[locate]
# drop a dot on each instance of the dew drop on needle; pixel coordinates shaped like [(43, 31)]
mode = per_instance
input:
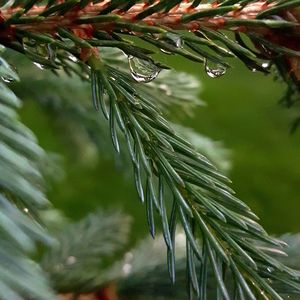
[(142, 70), (175, 39), (214, 70)]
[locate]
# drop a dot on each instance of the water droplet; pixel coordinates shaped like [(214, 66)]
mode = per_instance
[(72, 58), (71, 260), (175, 39), (40, 66), (142, 70), (43, 50), (51, 52), (266, 65), (214, 71)]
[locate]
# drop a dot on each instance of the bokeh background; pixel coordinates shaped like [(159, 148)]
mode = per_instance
[(242, 111)]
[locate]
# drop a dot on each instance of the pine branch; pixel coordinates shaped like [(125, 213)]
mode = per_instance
[(89, 25), (172, 14), (213, 150), (142, 274), (202, 203), (150, 280), (85, 249), (220, 229), (43, 33), (21, 199)]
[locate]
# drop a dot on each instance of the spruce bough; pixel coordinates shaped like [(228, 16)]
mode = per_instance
[(172, 179)]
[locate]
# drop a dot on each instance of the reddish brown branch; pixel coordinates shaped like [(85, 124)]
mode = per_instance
[(171, 19)]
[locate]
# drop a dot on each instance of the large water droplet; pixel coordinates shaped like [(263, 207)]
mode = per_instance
[(142, 70), (214, 70)]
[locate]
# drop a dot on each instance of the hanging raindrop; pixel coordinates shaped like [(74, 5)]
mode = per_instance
[(142, 70), (214, 71), (172, 39)]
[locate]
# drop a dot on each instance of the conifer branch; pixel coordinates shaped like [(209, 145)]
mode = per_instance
[(273, 26), (202, 202), (84, 249), (21, 199), (220, 229), (182, 16)]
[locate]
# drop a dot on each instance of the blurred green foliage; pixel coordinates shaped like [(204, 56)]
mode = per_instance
[(242, 110)]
